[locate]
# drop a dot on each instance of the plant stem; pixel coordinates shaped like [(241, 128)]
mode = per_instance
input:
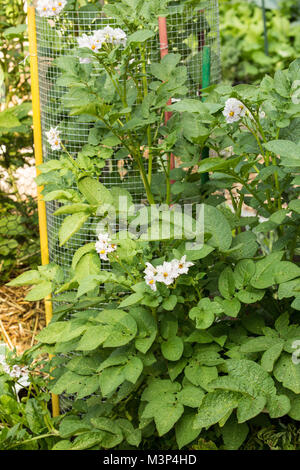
[(149, 135)]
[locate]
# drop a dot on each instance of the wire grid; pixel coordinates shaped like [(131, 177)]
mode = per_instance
[(188, 32)]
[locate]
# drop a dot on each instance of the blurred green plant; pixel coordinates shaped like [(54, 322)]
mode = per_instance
[(18, 223), (242, 38)]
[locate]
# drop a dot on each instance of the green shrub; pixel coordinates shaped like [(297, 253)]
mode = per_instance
[(179, 343)]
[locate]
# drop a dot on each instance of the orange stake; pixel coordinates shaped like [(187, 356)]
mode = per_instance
[(164, 50)]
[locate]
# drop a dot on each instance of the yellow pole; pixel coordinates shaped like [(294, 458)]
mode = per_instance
[(38, 151)]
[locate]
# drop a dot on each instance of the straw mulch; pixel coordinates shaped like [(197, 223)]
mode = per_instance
[(20, 321)]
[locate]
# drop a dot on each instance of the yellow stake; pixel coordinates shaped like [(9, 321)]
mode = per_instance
[(38, 151)]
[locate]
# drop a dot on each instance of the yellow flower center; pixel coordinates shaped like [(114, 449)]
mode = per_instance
[(231, 113), (180, 266), (166, 274), (102, 252), (93, 47), (151, 282), (54, 8)]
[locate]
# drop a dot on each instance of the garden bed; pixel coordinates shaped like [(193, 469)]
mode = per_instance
[(20, 321)]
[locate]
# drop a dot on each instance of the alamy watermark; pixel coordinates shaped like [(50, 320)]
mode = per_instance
[(154, 222), (296, 353), (295, 96)]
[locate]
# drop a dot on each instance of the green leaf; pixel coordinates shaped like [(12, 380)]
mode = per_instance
[(243, 272), (204, 318), (264, 271), (295, 205), (133, 436), (133, 369), (34, 415), (170, 302), (71, 225), (244, 245), (72, 425), (271, 355), (88, 265), (140, 36), (39, 292), (73, 209), (234, 434), (147, 329), (185, 433), (165, 415), (87, 440), (261, 343), (112, 434), (250, 407), (193, 255), (226, 283), (94, 191), (8, 120), (250, 295), (281, 83), (93, 337), (131, 300), (288, 373), (172, 349), (110, 379), (284, 148), (216, 224), (27, 278), (214, 407), (278, 406), (62, 331), (191, 396), (200, 375)]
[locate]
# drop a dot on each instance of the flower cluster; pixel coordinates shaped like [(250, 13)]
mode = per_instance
[(16, 372), (166, 272), (100, 37), (104, 246), (53, 138), (234, 110), (49, 8)]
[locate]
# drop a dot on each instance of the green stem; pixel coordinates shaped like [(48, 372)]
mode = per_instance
[(43, 436), (149, 135)]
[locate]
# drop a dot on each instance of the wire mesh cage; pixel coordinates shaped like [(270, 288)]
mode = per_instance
[(189, 29)]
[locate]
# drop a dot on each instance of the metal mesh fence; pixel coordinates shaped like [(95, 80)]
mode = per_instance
[(188, 32)]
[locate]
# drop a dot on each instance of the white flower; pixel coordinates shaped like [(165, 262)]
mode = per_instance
[(234, 110), (181, 266), (54, 138), (90, 42), (150, 270), (118, 37), (151, 281), (16, 372), (107, 33), (48, 8), (104, 246), (166, 273), (262, 114)]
